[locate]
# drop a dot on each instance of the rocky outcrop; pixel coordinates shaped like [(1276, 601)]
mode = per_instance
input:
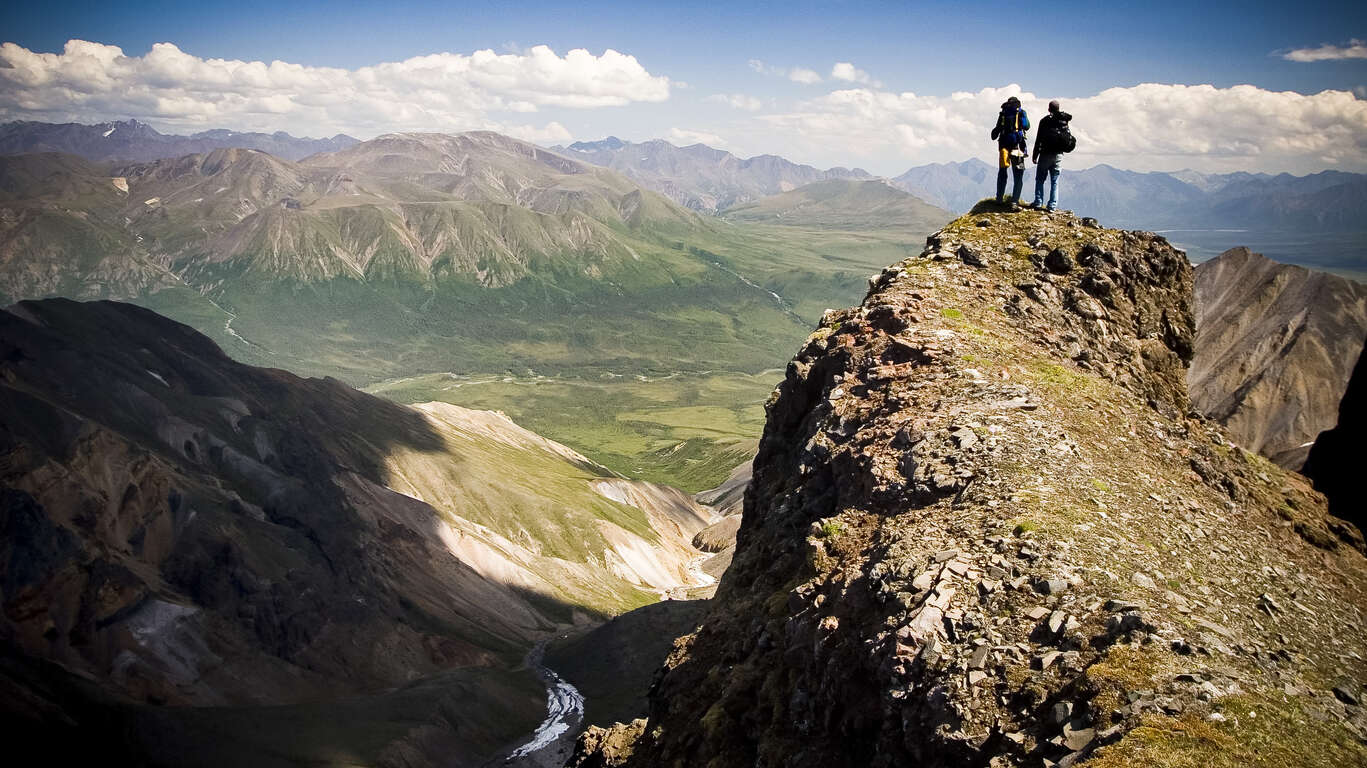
[(986, 529), (1335, 460), (1275, 346)]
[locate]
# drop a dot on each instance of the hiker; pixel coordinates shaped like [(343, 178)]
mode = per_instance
[(1051, 142), (1009, 133)]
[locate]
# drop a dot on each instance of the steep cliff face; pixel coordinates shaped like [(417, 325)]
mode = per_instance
[(1275, 346), (1335, 461), (985, 529)]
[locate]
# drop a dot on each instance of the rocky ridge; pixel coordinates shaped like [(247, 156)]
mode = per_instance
[(986, 528)]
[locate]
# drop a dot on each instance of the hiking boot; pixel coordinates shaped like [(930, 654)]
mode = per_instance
[(1034, 206)]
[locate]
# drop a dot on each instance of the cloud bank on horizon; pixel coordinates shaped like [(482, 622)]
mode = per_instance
[(444, 91), (1145, 127), (859, 122)]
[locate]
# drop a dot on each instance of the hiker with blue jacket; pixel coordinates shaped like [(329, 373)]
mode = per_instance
[(1009, 134), (1051, 142)]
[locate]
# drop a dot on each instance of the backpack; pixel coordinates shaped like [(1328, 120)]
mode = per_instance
[(1055, 138), (1009, 129)]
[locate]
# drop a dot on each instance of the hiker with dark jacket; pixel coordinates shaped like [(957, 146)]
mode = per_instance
[(1051, 141), (1009, 133)]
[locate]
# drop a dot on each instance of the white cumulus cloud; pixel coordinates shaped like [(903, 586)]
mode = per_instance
[(444, 91), (1145, 127), (1354, 49), (844, 70), (804, 76)]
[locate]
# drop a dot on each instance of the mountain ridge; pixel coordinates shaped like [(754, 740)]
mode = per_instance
[(700, 177), (127, 141), (476, 252), (984, 529)]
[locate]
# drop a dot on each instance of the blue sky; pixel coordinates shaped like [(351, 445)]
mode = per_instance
[(707, 52)]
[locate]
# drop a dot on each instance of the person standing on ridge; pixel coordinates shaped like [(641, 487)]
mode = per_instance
[(1009, 134), (1051, 142)]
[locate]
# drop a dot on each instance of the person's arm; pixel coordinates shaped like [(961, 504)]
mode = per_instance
[(1034, 155)]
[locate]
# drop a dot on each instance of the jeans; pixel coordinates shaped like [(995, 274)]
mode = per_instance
[(1018, 173), (1048, 165)]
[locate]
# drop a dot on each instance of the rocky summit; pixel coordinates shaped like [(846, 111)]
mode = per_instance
[(986, 528)]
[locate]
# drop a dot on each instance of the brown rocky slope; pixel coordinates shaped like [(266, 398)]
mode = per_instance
[(1275, 345), (985, 528)]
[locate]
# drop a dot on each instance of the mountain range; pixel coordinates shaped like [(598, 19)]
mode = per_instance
[(131, 141), (426, 260), (1331, 200), (711, 180), (455, 230), (701, 177)]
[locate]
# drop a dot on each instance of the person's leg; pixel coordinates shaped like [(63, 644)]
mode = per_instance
[(1019, 174), (1050, 165), (1040, 173)]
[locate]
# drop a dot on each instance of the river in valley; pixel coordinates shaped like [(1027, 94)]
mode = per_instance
[(550, 745)]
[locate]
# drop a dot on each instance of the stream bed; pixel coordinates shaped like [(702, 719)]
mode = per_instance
[(550, 745)]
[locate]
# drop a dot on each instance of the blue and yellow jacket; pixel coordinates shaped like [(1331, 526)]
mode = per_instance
[(1011, 127), (1009, 132)]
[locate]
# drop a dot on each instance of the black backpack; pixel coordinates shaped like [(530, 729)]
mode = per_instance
[(1055, 138)]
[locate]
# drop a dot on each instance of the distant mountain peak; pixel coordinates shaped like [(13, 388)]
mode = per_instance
[(133, 141), (703, 177), (610, 143)]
